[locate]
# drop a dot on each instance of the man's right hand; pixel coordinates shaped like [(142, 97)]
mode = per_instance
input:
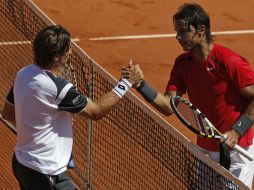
[(133, 74)]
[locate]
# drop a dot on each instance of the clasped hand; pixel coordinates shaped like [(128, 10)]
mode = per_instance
[(132, 73)]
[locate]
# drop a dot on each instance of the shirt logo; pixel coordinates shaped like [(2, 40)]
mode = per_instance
[(74, 101), (121, 87), (240, 123), (210, 68)]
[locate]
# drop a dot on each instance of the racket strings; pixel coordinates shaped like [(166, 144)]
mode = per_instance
[(187, 114), (204, 126), (193, 117)]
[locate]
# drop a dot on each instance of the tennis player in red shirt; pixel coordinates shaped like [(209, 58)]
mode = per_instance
[(217, 80)]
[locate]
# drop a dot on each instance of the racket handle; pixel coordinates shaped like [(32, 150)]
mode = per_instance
[(244, 152)]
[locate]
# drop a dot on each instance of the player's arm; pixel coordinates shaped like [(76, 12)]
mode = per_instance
[(8, 112), (248, 117), (75, 102), (244, 123), (156, 99), (95, 110), (248, 92), (161, 103), (99, 108)]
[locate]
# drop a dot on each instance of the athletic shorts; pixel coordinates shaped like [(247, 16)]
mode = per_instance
[(240, 166), (30, 179)]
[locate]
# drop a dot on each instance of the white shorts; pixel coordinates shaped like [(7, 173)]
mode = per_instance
[(240, 166)]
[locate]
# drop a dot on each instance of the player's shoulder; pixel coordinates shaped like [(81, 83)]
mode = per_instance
[(226, 55), (224, 52), (59, 82), (184, 57), (25, 70)]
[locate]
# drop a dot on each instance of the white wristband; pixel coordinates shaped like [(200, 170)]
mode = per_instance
[(122, 87)]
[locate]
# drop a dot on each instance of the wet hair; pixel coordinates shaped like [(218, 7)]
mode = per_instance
[(195, 15), (50, 42)]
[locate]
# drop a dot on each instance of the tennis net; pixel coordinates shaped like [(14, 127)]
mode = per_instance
[(132, 147)]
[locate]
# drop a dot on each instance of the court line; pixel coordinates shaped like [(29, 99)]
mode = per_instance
[(234, 32), (15, 43), (25, 42)]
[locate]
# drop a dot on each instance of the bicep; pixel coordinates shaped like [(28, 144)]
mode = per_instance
[(73, 102)]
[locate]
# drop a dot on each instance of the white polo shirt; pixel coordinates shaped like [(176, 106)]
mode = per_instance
[(43, 106)]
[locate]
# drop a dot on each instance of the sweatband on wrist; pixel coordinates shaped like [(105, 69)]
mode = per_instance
[(146, 91), (122, 87), (242, 125)]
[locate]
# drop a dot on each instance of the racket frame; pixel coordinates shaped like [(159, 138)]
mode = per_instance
[(196, 112), (215, 135)]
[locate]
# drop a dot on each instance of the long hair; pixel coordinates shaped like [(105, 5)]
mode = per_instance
[(195, 15), (49, 42)]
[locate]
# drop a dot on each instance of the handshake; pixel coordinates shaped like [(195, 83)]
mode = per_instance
[(133, 74)]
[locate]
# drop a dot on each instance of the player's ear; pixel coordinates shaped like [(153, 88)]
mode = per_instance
[(201, 30), (56, 58)]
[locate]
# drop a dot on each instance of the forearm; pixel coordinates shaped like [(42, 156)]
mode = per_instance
[(96, 110), (105, 104), (244, 123), (157, 100), (161, 103)]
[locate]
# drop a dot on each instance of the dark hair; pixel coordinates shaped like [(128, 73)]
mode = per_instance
[(195, 15), (51, 41)]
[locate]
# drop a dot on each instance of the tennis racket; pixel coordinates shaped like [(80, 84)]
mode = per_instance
[(197, 122)]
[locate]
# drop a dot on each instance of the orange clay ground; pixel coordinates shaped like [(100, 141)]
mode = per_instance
[(99, 18)]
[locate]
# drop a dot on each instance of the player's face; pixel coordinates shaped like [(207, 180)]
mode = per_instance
[(186, 36)]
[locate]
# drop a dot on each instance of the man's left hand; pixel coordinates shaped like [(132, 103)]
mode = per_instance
[(232, 138)]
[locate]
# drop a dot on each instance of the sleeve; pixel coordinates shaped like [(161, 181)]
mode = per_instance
[(240, 72), (10, 96), (73, 102), (175, 82)]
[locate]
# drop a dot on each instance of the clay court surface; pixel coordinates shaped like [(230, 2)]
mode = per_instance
[(90, 20), (87, 20)]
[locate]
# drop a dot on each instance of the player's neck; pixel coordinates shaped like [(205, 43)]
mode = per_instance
[(53, 70), (202, 51)]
